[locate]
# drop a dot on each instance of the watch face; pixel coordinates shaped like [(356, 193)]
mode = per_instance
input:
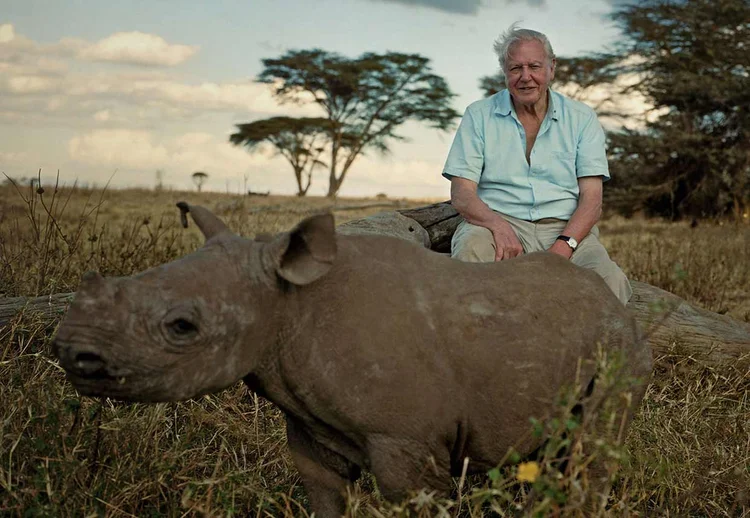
[(573, 242)]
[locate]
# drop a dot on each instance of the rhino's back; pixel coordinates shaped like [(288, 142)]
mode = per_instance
[(410, 342)]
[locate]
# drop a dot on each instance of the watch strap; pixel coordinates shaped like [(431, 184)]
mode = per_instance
[(568, 239)]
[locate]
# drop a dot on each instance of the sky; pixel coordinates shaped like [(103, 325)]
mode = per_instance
[(114, 91)]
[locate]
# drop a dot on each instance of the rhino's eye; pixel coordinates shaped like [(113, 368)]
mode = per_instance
[(181, 328)]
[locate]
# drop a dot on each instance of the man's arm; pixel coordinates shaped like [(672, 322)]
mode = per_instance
[(465, 200), (586, 215)]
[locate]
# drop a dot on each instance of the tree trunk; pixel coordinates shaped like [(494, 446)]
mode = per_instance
[(672, 325), (333, 186)]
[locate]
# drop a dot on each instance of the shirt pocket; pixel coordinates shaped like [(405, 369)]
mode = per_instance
[(561, 169), (564, 156)]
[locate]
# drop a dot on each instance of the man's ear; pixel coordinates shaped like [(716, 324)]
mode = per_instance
[(307, 252)]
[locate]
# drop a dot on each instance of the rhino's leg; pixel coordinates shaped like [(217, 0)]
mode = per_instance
[(324, 473), (400, 465), (610, 426)]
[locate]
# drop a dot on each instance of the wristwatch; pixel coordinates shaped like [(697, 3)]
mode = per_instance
[(572, 243)]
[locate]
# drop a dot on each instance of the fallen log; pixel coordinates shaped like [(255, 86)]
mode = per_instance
[(439, 220), (673, 326), (48, 308)]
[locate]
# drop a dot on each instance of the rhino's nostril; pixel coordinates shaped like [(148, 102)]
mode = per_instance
[(86, 363)]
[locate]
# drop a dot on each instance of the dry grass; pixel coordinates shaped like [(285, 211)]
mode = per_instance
[(688, 452)]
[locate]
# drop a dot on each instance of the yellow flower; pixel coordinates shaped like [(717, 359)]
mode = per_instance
[(527, 472)]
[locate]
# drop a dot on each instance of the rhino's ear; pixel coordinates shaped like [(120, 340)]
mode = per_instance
[(207, 222), (306, 253)]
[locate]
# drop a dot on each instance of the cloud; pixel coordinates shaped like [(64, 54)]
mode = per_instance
[(41, 83), (532, 3), (102, 116), (416, 177), (30, 84), (138, 48), (245, 95), (31, 65), (460, 6), (137, 154), (20, 56), (143, 150), (16, 48), (134, 48), (7, 33), (451, 6), (163, 98), (129, 149), (12, 156)]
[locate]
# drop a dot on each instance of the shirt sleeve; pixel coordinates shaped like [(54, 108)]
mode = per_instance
[(591, 156), (466, 156)]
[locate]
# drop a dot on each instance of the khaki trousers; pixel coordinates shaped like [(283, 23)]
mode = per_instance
[(473, 243)]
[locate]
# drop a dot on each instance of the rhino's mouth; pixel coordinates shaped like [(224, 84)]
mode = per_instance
[(122, 386), (102, 379), (104, 384)]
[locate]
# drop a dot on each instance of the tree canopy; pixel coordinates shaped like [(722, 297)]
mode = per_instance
[(693, 61), (364, 99), (199, 177), (300, 141)]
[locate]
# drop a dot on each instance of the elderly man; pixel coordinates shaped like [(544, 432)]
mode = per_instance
[(527, 166)]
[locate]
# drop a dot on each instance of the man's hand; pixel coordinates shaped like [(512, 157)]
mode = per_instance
[(562, 248), (507, 245)]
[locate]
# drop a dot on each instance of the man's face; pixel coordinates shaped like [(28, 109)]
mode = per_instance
[(529, 72)]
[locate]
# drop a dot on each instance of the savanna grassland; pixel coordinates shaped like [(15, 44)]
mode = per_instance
[(687, 453)]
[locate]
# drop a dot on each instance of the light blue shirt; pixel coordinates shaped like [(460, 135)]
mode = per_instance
[(490, 149)]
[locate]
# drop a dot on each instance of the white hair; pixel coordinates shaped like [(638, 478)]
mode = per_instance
[(515, 35)]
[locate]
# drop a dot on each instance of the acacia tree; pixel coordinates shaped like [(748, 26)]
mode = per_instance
[(364, 99), (199, 177), (300, 140), (693, 58)]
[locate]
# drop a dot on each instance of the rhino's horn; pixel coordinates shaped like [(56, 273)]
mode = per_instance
[(209, 224), (93, 285)]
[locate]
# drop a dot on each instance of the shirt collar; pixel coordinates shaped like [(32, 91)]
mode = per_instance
[(504, 107)]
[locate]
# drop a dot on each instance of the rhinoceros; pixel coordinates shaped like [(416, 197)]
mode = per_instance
[(382, 354)]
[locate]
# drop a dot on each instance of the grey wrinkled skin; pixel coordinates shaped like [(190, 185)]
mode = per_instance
[(382, 354)]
